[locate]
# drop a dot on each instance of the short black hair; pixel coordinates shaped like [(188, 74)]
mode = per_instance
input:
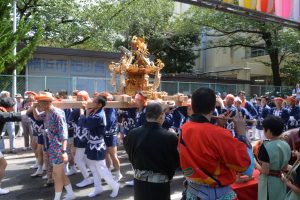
[(274, 124), (63, 93), (203, 101), (241, 92), (265, 97), (153, 110), (100, 99), (7, 102)]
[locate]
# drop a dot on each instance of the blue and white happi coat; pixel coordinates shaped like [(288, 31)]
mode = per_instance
[(95, 123)]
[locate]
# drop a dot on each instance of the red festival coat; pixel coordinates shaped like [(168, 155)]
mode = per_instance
[(210, 155)]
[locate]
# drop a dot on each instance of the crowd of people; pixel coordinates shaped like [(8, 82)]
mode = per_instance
[(209, 140)]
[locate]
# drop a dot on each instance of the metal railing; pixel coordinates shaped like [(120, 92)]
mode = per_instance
[(54, 84)]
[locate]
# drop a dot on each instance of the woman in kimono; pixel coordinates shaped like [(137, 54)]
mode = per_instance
[(95, 150), (273, 158), (57, 135)]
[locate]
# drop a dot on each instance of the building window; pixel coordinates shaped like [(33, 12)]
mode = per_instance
[(255, 52)]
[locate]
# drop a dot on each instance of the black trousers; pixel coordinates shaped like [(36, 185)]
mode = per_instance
[(151, 191)]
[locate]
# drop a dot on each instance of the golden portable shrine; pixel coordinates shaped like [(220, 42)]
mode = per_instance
[(134, 69)]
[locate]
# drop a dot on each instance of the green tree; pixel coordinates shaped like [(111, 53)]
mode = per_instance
[(233, 31), (64, 22), (176, 52), (105, 25), (167, 40), (291, 71), (27, 35)]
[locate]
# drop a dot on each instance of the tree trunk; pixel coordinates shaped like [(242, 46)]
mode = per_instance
[(275, 67), (274, 56)]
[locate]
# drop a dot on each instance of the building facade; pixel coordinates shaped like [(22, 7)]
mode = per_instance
[(58, 68), (242, 63)]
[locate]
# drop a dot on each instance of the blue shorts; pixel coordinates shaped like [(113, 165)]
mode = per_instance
[(40, 139), (111, 140)]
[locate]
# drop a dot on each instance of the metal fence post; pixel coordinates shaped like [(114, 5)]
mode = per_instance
[(45, 82), (160, 85), (260, 93), (74, 83), (177, 86), (280, 90)]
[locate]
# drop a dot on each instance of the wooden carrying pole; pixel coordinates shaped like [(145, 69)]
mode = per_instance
[(121, 101), (229, 118), (78, 104)]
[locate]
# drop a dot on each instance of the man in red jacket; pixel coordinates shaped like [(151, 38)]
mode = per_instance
[(210, 156)]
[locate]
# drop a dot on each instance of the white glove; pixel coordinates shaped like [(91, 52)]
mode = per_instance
[(292, 118)]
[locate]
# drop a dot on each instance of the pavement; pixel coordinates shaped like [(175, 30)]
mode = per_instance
[(23, 187)]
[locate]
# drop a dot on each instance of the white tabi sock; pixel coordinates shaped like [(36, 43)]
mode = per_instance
[(72, 167), (69, 189), (57, 195), (118, 173), (40, 168)]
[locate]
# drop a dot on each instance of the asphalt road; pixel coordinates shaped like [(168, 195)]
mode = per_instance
[(22, 187)]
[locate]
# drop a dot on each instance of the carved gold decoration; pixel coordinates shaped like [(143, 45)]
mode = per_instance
[(134, 69)]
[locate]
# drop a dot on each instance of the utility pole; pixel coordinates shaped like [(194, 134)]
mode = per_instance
[(14, 89)]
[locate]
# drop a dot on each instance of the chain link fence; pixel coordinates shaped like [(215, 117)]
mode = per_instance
[(54, 84)]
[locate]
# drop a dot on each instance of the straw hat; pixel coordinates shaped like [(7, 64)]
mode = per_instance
[(44, 96), (30, 92), (278, 99), (292, 99)]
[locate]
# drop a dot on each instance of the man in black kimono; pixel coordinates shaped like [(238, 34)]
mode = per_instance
[(153, 153)]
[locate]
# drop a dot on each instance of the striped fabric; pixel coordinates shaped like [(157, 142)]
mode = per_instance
[(228, 1), (250, 4), (283, 8), (296, 10), (266, 6)]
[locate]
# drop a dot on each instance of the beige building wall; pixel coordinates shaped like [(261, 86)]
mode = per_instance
[(229, 62), (234, 61)]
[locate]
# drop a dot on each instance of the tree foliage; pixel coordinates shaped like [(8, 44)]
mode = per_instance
[(233, 31), (106, 24), (28, 35), (176, 52), (291, 71)]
